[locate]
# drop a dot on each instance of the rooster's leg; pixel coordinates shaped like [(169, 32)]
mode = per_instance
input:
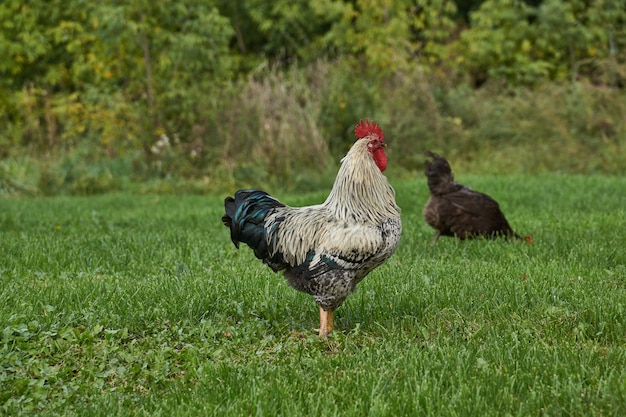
[(326, 322)]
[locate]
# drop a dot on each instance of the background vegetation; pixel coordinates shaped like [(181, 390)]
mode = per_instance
[(98, 96)]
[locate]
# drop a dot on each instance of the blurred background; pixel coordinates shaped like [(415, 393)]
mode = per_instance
[(206, 96)]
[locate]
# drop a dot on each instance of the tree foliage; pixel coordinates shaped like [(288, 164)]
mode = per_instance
[(123, 71), (511, 40)]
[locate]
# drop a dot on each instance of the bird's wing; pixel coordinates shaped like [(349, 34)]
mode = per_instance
[(473, 202), (356, 249), (471, 213), (312, 235)]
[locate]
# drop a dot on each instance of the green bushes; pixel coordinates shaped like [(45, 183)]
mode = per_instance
[(289, 129), (97, 97)]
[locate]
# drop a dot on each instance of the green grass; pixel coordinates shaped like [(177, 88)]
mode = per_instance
[(122, 305)]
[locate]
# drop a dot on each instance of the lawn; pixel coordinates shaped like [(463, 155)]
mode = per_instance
[(121, 305)]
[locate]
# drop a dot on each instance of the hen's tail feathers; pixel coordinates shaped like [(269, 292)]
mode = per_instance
[(245, 217)]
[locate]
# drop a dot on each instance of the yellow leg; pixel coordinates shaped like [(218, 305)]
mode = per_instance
[(326, 322)]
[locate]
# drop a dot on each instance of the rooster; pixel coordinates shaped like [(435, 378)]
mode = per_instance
[(325, 249), (457, 210)]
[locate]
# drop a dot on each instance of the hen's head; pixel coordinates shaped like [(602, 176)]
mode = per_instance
[(438, 173), (438, 167), (372, 132)]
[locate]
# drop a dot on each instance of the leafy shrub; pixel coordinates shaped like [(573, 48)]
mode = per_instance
[(18, 176), (287, 129)]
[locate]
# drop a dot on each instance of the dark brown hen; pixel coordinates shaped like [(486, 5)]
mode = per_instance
[(456, 210)]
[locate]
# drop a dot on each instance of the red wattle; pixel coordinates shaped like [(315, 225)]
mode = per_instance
[(380, 158)]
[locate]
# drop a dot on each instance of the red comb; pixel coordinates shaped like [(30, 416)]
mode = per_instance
[(366, 129)]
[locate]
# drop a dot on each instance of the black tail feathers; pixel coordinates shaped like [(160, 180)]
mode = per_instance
[(245, 217)]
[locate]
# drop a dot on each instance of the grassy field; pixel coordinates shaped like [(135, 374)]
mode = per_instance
[(121, 305)]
